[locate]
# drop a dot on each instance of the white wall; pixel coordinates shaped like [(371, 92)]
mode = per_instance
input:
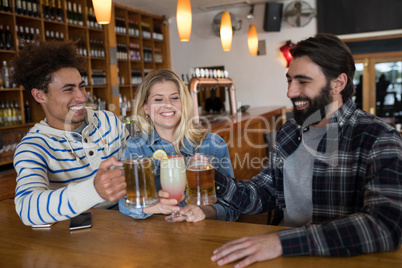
[(259, 80)]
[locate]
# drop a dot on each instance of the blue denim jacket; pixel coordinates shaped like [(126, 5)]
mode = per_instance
[(212, 145)]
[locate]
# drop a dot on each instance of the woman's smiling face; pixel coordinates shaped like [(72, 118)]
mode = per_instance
[(164, 106)]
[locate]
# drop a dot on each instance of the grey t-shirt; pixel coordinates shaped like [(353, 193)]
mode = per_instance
[(298, 175)]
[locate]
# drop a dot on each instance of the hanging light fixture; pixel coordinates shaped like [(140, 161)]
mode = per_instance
[(226, 31), (103, 10), (252, 39), (286, 53), (184, 19)]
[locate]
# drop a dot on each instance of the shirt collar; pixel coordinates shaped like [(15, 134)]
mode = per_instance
[(343, 114), (154, 139)]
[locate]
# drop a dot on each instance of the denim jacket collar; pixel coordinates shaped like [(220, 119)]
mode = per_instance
[(154, 141)]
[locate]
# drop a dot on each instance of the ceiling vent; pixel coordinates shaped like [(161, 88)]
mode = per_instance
[(226, 5)]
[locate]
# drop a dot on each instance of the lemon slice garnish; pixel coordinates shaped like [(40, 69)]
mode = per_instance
[(159, 154)]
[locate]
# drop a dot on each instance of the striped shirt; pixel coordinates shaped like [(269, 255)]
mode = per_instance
[(356, 187), (56, 168)]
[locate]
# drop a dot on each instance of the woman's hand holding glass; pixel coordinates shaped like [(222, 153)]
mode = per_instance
[(166, 205)]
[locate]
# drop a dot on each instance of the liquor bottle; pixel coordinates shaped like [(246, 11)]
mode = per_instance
[(37, 35), (2, 113), (27, 111), (23, 7), (12, 114), (8, 38), (26, 35), (60, 15), (46, 10), (18, 116), (80, 17), (35, 9), (2, 39), (29, 11), (18, 7), (6, 5), (20, 37), (69, 13), (84, 46), (1, 80), (75, 14), (1, 116), (53, 10), (6, 75), (7, 114)]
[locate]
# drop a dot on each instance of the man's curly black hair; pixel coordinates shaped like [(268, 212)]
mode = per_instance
[(35, 64)]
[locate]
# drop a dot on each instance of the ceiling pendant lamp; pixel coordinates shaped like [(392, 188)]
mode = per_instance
[(252, 40), (103, 10), (226, 31), (184, 19)]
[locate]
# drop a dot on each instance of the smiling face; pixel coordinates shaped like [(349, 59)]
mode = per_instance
[(164, 106), (64, 103), (309, 91)]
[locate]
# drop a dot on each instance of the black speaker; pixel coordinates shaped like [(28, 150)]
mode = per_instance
[(273, 17)]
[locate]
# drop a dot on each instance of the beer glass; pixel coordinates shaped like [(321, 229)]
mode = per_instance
[(173, 181), (139, 174), (200, 180)]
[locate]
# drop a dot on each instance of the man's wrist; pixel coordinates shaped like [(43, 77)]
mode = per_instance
[(209, 211)]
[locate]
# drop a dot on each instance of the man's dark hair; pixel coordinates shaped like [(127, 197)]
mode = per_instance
[(332, 55), (35, 64)]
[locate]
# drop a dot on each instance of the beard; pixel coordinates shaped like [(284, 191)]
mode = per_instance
[(317, 108)]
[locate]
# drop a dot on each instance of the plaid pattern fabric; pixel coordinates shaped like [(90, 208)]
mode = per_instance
[(357, 187)]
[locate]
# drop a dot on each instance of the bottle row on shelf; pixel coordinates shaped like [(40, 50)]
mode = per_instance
[(52, 10), (5, 5), (10, 113), (74, 14), (136, 77), (135, 53), (27, 8), (97, 48), (6, 39), (147, 51), (158, 55), (98, 77), (134, 29)]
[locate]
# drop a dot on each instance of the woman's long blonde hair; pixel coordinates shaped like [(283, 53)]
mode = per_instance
[(186, 128)]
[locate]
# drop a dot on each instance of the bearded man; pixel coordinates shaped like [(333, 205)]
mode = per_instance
[(335, 175)]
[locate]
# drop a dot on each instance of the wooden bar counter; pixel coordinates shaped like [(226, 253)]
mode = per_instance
[(116, 240), (244, 135)]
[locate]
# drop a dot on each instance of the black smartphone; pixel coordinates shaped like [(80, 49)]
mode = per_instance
[(81, 221)]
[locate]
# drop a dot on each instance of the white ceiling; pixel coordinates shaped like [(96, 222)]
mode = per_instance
[(168, 7)]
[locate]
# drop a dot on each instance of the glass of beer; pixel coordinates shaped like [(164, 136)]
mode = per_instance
[(139, 173), (200, 180)]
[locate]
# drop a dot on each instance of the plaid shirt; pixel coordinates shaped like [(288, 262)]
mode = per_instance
[(357, 187)]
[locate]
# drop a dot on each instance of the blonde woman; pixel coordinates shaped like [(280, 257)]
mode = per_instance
[(164, 113)]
